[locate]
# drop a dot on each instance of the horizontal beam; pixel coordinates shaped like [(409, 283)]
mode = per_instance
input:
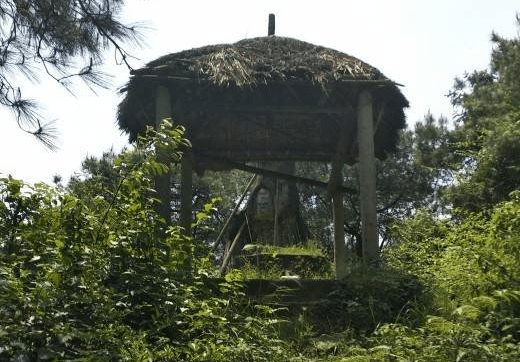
[(183, 77), (275, 174), (267, 109)]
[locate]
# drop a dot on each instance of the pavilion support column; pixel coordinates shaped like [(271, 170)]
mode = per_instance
[(163, 182), (336, 191), (367, 177), (340, 251), (186, 192)]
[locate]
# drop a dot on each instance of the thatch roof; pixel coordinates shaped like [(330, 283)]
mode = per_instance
[(262, 60), (263, 77)]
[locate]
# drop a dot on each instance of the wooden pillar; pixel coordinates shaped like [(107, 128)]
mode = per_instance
[(270, 30), (335, 190), (276, 204), (367, 177), (186, 192), (340, 251), (162, 182)]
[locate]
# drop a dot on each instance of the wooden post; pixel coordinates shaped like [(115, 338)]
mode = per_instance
[(340, 251), (367, 177), (231, 248), (276, 201), (237, 206), (162, 182), (270, 30), (186, 192), (335, 190)]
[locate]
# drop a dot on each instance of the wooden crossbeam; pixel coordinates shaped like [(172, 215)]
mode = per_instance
[(275, 174)]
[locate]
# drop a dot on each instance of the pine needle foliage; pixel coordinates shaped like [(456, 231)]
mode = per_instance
[(64, 39)]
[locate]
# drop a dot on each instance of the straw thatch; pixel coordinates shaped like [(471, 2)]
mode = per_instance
[(262, 60), (225, 93)]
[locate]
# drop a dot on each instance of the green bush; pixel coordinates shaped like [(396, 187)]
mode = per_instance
[(460, 261), (101, 278)]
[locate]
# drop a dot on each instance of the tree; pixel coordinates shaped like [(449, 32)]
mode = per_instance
[(488, 129), (406, 181), (56, 35), (214, 193)]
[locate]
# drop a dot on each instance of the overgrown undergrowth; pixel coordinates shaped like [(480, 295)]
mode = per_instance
[(100, 277)]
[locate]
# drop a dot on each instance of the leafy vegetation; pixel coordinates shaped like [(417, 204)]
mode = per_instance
[(102, 278), (284, 250), (91, 272), (276, 262)]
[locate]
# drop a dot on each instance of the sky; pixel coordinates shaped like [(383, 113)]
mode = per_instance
[(423, 45)]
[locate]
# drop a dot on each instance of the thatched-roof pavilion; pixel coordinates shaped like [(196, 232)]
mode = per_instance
[(272, 99)]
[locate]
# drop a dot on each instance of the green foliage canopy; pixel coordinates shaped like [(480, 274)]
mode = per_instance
[(98, 278), (485, 141)]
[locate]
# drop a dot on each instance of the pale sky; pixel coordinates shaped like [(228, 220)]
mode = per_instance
[(423, 45)]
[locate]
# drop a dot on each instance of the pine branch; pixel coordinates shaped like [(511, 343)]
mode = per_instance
[(54, 35)]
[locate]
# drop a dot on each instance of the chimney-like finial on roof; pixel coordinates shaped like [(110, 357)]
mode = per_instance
[(270, 31)]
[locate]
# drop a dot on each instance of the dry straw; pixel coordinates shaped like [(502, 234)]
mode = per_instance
[(261, 60), (195, 76)]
